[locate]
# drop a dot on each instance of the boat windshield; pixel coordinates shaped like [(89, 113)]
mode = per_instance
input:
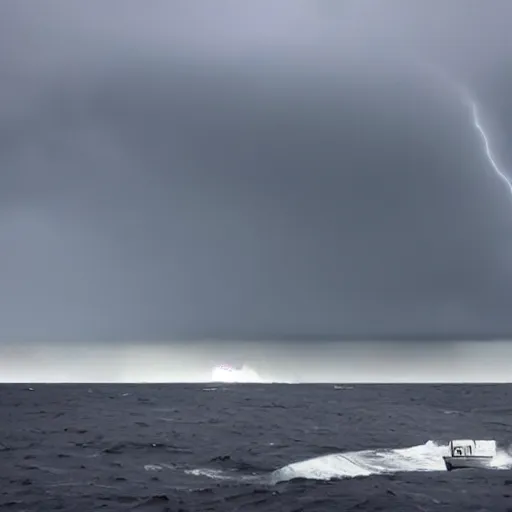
[(462, 451)]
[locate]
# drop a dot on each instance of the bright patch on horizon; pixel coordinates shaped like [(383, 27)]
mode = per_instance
[(225, 373)]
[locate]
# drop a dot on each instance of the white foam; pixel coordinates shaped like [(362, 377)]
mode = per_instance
[(502, 460), (152, 467), (215, 474), (425, 457)]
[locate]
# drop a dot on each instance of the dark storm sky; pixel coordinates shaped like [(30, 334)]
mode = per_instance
[(253, 169)]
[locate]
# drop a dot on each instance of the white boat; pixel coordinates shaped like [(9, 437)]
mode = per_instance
[(469, 453)]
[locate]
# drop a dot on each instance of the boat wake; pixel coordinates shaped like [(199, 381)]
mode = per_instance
[(425, 457), (421, 458)]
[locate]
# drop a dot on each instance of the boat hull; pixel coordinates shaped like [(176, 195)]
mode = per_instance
[(467, 462)]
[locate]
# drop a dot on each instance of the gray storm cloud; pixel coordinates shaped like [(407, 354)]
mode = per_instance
[(256, 169)]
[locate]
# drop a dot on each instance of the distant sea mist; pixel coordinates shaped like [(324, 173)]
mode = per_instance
[(267, 361)]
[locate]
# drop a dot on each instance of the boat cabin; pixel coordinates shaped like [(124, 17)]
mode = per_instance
[(472, 448)]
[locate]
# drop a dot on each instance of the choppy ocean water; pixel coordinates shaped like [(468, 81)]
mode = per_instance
[(243, 447)]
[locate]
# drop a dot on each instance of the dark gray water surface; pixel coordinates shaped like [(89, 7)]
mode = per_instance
[(228, 447)]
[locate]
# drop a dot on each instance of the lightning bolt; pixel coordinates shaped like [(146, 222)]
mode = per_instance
[(468, 100), (480, 129)]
